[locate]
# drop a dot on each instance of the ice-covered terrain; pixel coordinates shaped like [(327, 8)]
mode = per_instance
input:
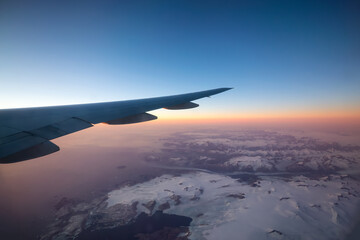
[(223, 208), (255, 162), (247, 184), (256, 150)]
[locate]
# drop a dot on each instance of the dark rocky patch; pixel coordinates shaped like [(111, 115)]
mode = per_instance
[(250, 179), (176, 199), (276, 232), (167, 233), (237, 195), (284, 198), (150, 205), (143, 226), (194, 198), (164, 206), (64, 202)]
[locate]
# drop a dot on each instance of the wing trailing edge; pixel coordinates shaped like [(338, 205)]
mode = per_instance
[(38, 150)]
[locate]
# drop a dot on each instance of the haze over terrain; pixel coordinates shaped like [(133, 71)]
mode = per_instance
[(275, 181)]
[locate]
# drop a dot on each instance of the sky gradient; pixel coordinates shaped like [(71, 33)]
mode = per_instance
[(285, 59)]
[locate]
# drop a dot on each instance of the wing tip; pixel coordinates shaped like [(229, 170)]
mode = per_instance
[(218, 90), (227, 88)]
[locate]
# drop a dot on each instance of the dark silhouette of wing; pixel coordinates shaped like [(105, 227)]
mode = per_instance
[(25, 133)]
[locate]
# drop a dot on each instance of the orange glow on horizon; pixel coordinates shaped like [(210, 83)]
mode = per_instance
[(352, 121), (346, 114), (311, 117)]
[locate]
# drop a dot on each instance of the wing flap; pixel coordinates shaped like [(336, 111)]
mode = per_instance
[(6, 131), (13, 137), (27, 139), (38, 150), (18, 142), (72, 125), (49, 132), (62, 128)]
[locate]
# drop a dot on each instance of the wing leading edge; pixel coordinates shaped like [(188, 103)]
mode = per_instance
[(25, 133)]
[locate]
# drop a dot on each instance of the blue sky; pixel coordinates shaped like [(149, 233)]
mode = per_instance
[(280, 56)]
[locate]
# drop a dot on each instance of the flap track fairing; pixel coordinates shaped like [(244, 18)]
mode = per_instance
[(142, 117), (187, 105)]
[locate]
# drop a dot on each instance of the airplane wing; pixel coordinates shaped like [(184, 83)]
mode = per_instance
[(25, 133)]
